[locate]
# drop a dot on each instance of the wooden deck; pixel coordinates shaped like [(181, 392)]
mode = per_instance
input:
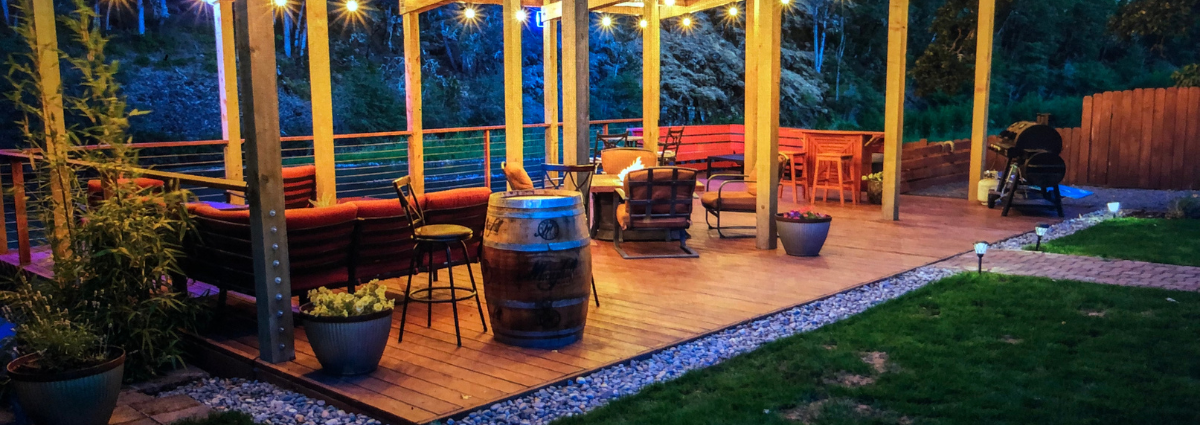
[(646, 305)]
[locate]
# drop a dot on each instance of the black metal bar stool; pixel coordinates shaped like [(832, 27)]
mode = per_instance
[(577, 178), (428, 237)]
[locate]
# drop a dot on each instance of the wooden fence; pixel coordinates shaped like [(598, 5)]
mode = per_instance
[(1143, 138)]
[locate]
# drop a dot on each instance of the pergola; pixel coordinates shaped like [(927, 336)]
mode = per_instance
[(251, 35)]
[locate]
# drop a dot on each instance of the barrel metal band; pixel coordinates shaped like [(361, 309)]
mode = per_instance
[(553, 246), (533, 214), (534, 305)]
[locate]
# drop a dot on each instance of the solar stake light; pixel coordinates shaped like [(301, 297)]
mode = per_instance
[(981, 248), (1040, 230), (1114, 208)]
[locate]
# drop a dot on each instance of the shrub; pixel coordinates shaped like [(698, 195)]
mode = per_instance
[(1185, 207), (369, 299), (45, 328)]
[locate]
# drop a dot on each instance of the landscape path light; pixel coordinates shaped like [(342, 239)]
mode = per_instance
[(981, 248), (1040, 230), (1114, 208)]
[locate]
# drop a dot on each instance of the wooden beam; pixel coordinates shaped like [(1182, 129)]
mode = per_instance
[(576, 134), (552, 11), (44, 32), (669, 12), (767, 20), (514, 96), (750, 148), (983, 84), (317, 14), (412, 94), (651, 75), (550, 91), (231, 115), (414, 7), (268, 229), (893, 114)]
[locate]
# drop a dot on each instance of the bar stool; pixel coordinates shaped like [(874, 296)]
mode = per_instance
[(831, 162), (428, 237), (797, 166)]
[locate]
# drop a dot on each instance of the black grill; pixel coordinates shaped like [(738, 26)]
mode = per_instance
[(1032, 150)]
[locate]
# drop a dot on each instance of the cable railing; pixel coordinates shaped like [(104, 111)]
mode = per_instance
[(366, 164)]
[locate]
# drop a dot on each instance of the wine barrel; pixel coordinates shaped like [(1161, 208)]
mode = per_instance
[(537, 267)]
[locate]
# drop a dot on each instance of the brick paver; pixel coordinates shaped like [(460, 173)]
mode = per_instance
[(135, 408), (1087, 269)]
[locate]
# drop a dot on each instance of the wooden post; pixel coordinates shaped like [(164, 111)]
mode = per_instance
[(268, 229), (983, 84), (550, 80), (231, 125), (514, 97), (576, 134), (56, 132), (767, 21), (893, 115), (317, 12), (24, 252), (749, 137), (412, 94), (651, 74)]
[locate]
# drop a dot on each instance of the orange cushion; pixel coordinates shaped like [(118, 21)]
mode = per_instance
[(730, 201), (456, 198), (377, 208), (627, 222), (302, 218), (517, 177), (300, 171)]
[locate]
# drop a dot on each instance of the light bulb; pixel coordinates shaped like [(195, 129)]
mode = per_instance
[(521, 15), (687, 21), (469, 13), (643, 23), (669, 2), (352, 5), (733, 11), (280, 3), (785, 1), (606, 21)]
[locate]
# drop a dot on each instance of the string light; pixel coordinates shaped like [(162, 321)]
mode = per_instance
[(785, 1), (280, 3), (643, 23), (733, 11), (606, 21), (521, 15), (469, 13), (687, 21), (352, 5), (669, 2)]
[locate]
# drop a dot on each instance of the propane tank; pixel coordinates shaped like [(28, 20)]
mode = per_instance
[(986, 185)]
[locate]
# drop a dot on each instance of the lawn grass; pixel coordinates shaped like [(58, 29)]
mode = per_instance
[(220, 418), (1141, 239), (970, 349)]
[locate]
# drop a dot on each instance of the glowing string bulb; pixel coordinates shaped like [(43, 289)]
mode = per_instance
[(785, 1), (352, 5), (669, 2), (643, 23), (521, 15), (687, 21), (733, 11), (606, 21), (280, 3), (469, 13)]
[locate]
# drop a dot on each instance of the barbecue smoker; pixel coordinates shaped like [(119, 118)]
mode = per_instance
[(1034, 166)]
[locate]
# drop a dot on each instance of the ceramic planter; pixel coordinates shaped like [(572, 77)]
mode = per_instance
[(75, 397), (875, 191), (348, 345), (802, 237)]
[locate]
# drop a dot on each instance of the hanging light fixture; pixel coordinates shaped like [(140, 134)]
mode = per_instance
[(1040, 231), (981, 248), (1114, 208)]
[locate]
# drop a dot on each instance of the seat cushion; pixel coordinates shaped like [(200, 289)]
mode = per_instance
[(517, 177), (443, 232), (730, 201), (627, 222), (456, 198)]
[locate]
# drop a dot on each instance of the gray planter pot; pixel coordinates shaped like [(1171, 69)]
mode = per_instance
[(802, 237), (348, 345), (76, 397), (874, 191)]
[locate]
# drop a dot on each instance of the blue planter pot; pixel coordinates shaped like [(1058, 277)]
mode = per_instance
[(348, 345), (802, 237), (76, 397)]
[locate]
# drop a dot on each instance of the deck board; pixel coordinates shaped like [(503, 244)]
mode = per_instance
[(646, 305)]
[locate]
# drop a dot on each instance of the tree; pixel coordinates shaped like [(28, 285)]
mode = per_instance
[(1159, 22)]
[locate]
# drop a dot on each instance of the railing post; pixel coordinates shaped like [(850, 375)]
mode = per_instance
[(3, 224), (605, 128), (487, 159), (18, 177)]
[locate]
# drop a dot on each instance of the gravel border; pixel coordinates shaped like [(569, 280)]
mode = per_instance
[(267, 403)]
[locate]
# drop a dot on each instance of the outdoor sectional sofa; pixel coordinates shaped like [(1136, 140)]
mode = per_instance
[(335, 246)]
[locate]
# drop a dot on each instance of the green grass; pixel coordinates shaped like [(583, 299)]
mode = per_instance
[(969, 349), (221, 418), (1140, 239)]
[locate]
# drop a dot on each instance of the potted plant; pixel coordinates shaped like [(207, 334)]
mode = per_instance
[(66, 375), (348, 332), (874, 187), (803, 232)]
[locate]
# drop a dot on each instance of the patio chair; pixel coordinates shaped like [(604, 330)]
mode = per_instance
[(656, 198), (734, 201), (299, 187), (577, 178), (670, 146), (609, 141), (612, 161)]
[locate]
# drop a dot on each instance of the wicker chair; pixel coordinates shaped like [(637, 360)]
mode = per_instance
[(657, 198)]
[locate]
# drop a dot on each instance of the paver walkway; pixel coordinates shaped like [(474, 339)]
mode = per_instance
[(1087, 269), (135, 408)]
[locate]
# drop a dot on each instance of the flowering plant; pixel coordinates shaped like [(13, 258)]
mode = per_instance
[(873, 177), (371, 298), (806, 213)]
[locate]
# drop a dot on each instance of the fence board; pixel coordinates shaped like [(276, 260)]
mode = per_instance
[(1163, 162), (1101, 124), (1126, 158), (1145, 121), (1179, 147), (1192, 164), (1082, 162), (1116, 138)]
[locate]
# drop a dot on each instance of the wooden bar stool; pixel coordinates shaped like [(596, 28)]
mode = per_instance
[(797, 174), (829, 162)]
